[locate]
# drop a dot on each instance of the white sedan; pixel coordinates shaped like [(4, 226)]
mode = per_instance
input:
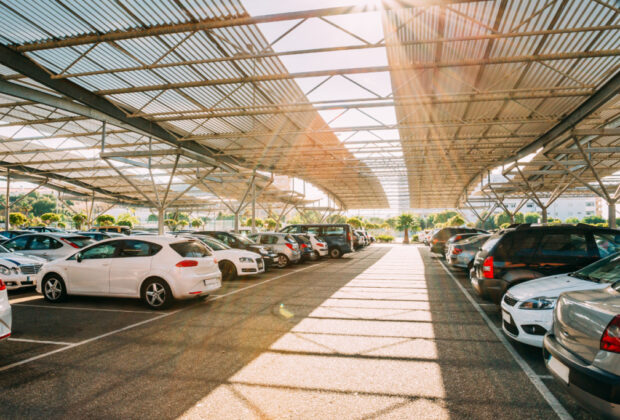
[(156, 269), (233, 262), (5, 313), (527, 308), (19, 270)]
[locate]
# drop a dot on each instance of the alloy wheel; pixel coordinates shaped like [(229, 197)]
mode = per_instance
[(155, 295), (53, 289)]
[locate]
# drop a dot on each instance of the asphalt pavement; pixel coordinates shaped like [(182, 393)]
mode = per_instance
[(382, 333)]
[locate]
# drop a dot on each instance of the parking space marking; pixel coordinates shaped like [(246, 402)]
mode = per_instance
[(25, 299), (146, 321), (529, 372), (77, 308), (27, 340)]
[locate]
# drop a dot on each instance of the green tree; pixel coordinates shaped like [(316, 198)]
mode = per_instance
[(271, 224), (49, 218), (105, 220), (43, 205), (456, 220), (152, 218), (572, 220), (532, 217), (170, 224), (405, 222), (504, 217), (593, 220), (336, 219), (78, 220), (196, 223), (444, 216), (17, 219), (355, 222), (182, 223), (504, 225), (127, 219), (62, 225), (392, 222), (257, 222)]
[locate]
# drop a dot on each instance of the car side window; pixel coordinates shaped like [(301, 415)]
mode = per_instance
[(106, 250), (19, 243), (268, 240), (40, 242), (224, 238), (287, 229), (314, 229), (134, 249), (606, 244), (562, 244), (334, 231)]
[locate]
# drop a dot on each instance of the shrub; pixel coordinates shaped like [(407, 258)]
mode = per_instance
[(125, 223), (415, 238), (17, 219), (385, 238)]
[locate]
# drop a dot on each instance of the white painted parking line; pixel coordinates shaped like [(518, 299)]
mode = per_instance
[(25, 299), (77, 308), (146, 321), (27, 340), (529, 372)]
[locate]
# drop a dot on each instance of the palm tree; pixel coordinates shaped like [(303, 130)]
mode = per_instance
[(405, 222)]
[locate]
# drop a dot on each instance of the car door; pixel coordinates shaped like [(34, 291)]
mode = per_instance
[(90, 274), (563, 252), (131, 267)]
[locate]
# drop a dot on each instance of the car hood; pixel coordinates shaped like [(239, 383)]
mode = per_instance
[(551, 286), (19, 259)]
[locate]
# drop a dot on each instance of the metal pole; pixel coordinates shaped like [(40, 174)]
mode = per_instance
[(612, 214), (544, 214), (253, 207), (6, 206), (161, 213), (237, 222)]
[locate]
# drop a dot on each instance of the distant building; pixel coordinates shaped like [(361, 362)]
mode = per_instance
[(563, 208)]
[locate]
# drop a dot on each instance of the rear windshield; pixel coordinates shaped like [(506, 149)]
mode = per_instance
[(191, 249), (215, 244), (81, 241), (490, 243)]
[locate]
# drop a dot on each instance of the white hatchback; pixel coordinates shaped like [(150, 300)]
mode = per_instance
[(527, 308), (5, 313), (318, 245), (233, 262), (156, 269)]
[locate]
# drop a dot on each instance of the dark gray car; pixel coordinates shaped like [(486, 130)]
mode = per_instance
[(583, 349)]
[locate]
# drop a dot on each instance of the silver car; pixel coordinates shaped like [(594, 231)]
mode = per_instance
[(583, 350), (282, 244), (49, 246)]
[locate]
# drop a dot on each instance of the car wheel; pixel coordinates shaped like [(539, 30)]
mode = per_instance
[(53, 288), (282, 261), (229, 271), (315, 255), (156, 294), (335, 253)]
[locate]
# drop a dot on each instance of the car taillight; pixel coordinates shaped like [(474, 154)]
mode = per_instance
[(458, 238), (487, 268), (289, 246), (187, 263), (456, 251), (303, 245), (2, 285), (320, 245), (435, 240), (349, 236), (215, 260), (610, 341), (69, 242)]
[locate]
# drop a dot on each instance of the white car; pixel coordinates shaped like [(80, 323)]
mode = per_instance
[(19, 270), (156, 269), (49, 246), (318, 245), (5, 313), (233, 262), (527, 308)]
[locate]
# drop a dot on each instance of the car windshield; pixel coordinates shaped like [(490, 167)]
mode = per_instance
[(243, 239), (215, 244), (3, 249), (606, 270), (490, 243)]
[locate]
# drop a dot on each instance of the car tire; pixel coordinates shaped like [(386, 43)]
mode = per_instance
[(316, 256), (228, 269), (335, 253), (53, 288), (283, 261), (156, 293)]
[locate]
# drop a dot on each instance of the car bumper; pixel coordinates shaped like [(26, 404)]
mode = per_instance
[(438, 249), (197, 285), (5, 321), (594, 388), (21, 280), (248, 269), (523, 318), (494, 289)]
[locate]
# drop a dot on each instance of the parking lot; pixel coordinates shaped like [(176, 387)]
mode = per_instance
[(386, 332)]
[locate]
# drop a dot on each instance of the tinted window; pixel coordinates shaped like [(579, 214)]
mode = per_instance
[(563, 244), (268, 239), (334, 231), (18, 244), (226, 239), (314, 229), (138, 249), (215, 244), (107, 250), (606, 244), (191, 249), (81, 241), (514, 246), (42, 242)]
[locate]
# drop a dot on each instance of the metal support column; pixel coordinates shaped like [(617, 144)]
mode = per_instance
[(253, 207), (161, 214), (237, 222), (611, 219), (7, 202), (543, 211)]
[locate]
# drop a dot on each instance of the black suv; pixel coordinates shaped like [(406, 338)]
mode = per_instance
[(237, 241), (439, 239), (526, 252)]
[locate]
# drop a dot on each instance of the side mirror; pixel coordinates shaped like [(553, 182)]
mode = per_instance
[(78, 257)]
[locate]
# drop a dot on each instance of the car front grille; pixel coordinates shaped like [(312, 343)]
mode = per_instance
[(509, 300), (31, 268)]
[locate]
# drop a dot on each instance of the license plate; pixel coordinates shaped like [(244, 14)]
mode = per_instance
[(506, 317), (558, 368), (209, 282)]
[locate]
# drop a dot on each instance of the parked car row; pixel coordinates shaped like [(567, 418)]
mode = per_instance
[(154, 268), (558, 288)]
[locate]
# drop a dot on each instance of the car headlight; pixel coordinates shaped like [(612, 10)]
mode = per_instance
[(539, 303), (5, 270), (263, 251), (245, 260), (15, 271)]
